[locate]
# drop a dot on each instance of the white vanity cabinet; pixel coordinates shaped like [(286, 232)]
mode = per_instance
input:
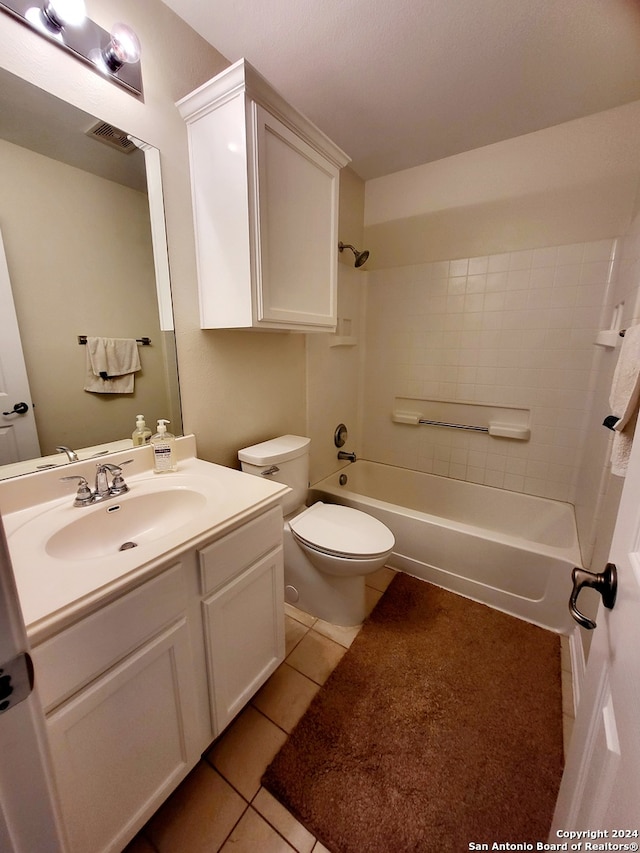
[(243, 613), (265, 184), (118, 689), (134, 692)]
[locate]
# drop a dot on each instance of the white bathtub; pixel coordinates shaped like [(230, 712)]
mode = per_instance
[(511, 551)]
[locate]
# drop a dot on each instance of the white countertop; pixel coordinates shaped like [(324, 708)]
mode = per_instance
[(55, 591)]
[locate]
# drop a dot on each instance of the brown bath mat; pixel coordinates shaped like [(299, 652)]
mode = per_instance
[(441, 726)]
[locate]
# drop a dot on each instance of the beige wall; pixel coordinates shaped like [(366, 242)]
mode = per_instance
[(351, 217), (80, 260), (571, 183), (335, 362), (236, 387), (598, 209), (334, 377)]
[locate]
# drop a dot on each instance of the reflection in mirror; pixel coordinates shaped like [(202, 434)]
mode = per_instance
[(84, 257)]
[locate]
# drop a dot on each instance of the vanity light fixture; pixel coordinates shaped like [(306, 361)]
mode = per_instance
[(123, 47), (55, 15), (116, 55)]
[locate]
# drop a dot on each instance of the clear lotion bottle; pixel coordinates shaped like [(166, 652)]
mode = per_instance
[(164, 454)]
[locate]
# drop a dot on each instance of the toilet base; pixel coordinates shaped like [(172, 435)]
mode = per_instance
[(338, 600)]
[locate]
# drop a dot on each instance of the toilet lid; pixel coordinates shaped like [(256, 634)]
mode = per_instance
[(341, 530)]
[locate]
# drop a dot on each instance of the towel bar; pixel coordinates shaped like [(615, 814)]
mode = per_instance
[(145, 342)]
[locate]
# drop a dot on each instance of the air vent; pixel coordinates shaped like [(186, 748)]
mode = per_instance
[(111, 136)]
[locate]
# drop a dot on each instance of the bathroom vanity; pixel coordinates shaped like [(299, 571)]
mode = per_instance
[(141, 659), (264, 182)]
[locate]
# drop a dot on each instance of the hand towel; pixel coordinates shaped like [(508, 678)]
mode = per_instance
[(624, 397), (111, 364)]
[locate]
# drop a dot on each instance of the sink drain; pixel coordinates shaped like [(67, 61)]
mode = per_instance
[(127, 545)]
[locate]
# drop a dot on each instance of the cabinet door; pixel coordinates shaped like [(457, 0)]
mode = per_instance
[(122, 744), (297, 237), (244, 631)]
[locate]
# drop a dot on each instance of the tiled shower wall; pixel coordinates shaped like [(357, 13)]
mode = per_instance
[(514, 329), (598, 491)]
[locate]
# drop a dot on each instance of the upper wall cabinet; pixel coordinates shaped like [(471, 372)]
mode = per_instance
[(265, 204)]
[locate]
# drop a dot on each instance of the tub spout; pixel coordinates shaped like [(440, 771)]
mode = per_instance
[(344, 454)]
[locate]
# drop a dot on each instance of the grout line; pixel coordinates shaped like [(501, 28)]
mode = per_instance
[(244, 811), (228, 781), (273, 722), (275, 828)]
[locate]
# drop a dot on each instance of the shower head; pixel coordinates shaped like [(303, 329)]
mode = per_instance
[(361, 257)]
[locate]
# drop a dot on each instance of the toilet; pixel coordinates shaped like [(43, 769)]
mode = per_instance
[(328, 548)]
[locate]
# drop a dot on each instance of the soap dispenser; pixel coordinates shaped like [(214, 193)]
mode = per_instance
[(141, 434), (164, 454)]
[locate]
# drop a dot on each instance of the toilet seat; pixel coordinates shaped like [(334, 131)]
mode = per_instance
[(342, 531)]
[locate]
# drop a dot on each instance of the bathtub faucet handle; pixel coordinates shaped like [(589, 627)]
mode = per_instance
[(345, 454)]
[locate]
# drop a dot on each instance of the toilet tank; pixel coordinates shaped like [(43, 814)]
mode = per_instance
[(290, 455)]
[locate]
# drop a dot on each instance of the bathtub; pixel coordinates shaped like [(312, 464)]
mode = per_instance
[(511, 551)]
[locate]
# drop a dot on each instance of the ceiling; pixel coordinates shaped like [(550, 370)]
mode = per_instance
[(397, 84), (35, 119)]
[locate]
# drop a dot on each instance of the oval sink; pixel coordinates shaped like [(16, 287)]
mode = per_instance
[(133, 520)]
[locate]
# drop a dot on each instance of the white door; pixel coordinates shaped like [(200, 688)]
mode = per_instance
[(600, 789), (18, 436), (28, 816)]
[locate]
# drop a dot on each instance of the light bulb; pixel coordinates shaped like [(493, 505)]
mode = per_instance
[(123, 47), (60, 13)]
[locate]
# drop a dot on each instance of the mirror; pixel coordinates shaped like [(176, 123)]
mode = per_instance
[(82, 223)]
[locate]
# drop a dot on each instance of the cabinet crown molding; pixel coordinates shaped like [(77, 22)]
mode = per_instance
[(242, 78)]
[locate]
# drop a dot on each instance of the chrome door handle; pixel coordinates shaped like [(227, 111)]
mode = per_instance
[(605, 583)]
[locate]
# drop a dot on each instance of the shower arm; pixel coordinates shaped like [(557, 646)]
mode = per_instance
[(360, 257)]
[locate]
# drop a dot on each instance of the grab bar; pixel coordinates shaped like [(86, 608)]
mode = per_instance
[(496, 429), (452, 426)]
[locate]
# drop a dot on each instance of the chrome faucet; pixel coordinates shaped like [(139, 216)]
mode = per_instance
[(347, 454), (117, 486), (103, 488), (72, 456)]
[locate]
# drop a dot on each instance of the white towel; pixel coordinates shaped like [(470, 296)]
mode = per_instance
[(111, 364), (624, 397)]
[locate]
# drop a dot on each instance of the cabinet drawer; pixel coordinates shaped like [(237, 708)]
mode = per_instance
[(227, 557), (74, 657)]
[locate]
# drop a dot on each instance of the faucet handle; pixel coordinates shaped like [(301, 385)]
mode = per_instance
[(114, 469), (84, 494), (118, 485)]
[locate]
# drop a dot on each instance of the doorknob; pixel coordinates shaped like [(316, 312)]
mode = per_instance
[(18, 409), (605, 583)]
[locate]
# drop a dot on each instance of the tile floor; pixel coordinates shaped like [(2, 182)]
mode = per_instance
[(221, 805)]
